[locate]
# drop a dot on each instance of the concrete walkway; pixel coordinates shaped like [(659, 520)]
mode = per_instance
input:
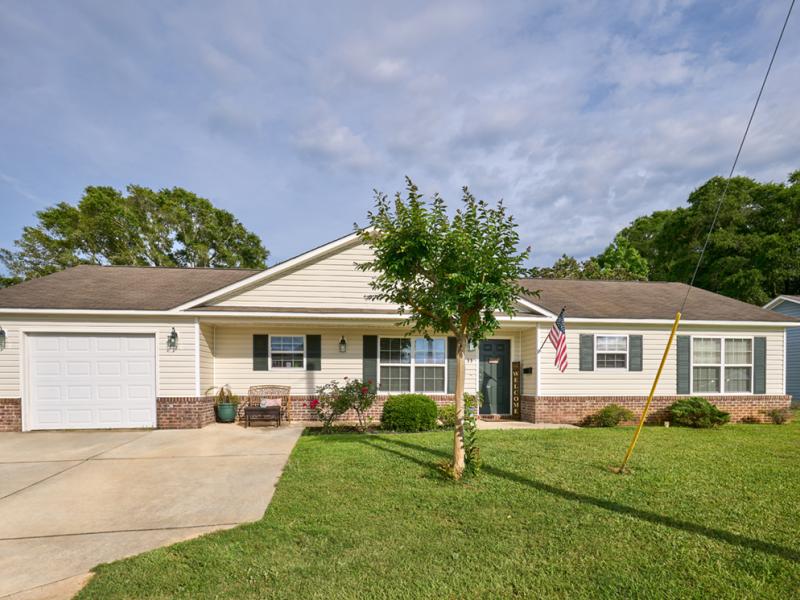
[(503, 424), (71, 500)]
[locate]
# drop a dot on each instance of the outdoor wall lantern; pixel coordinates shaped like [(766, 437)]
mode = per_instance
[(471, 345), (172, 340), (342, 345), (2, 339)]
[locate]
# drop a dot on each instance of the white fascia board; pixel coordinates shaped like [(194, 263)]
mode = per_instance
[(684, 322), (271, 271), (78, 311), (536, 307), (773, 303), (334, 315)]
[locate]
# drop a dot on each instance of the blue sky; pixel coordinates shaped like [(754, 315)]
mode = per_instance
[(580, 115)]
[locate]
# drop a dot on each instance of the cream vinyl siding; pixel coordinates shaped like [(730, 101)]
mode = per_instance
[(329, 282), (176, 370), (233, 359), (529, 345), (618, 382), (206, 357)]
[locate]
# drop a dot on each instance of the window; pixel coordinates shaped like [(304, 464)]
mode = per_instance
[(611, 351), (395, 361), (417, 361), (429, 378), (722, 360), (738, 365), (287, 351)]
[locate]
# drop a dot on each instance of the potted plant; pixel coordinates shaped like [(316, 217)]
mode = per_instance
[(225, 403)]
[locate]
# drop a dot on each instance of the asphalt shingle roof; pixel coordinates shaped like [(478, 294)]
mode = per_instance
[(95, 287), (640, 300)]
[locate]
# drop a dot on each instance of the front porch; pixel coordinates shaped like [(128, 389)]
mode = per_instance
[(242, 353)]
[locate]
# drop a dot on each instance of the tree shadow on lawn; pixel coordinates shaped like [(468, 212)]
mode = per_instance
[(643, 515)]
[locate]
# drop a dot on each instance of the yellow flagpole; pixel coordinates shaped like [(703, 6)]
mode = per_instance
[(652, 393)]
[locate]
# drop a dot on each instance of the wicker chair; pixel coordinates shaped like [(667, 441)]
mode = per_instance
[(267, 413)]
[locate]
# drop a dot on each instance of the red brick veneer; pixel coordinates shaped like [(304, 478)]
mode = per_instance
[(10, 414), (573, 409), (301, 407), (189, 412)]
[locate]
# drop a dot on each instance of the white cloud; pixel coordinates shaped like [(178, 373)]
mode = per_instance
[(580, 115)]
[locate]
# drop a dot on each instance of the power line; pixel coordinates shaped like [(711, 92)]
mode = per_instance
[(736, 159)]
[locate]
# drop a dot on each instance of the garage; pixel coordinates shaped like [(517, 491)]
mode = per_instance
[(97, 381)]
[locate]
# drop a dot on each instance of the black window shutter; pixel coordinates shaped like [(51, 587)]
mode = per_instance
[(260, 353), (313, 352), (451, 365), (370, 359), (684, 367), (586, 352), (760, 365), (635, 352)]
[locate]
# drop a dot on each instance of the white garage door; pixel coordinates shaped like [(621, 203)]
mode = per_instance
[(91, 381)]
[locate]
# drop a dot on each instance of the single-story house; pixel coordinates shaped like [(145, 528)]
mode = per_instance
[(790, 305), (120, 347)]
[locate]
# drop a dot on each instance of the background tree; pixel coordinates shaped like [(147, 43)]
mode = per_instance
[(619, 261), (754, 251), (449, 276), (165, 228)]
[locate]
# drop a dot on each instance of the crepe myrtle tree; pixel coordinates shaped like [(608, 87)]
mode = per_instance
[(448, 275)]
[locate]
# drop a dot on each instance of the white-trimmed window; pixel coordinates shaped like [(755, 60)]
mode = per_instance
[(611, 351), (722, 364), (287, 351), (412, 365)]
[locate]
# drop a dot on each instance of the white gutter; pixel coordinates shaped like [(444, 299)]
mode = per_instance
[(81, 311), (385, 316)]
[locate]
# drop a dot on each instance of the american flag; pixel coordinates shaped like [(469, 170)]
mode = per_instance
[(558, 337)]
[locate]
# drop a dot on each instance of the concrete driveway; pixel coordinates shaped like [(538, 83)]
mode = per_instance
[(71, 500)]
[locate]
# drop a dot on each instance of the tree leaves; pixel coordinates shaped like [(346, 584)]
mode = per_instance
[(753, 253), (168, 228), (449, 274)]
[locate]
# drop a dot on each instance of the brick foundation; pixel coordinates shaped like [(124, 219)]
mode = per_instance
[(10, 414), (189, 412), (573, 409), (302, 411)]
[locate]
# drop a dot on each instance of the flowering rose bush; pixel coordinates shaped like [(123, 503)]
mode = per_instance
[(335, 400)]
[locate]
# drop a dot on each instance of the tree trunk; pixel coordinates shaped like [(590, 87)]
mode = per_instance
[(458, 436)]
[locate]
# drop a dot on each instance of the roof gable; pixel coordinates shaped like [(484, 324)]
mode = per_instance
[(330, 280), (772, 304)]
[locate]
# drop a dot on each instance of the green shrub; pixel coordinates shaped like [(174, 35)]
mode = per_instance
[(779, 416), (447, 416), (697, 412), (608, 416), (409, 412)]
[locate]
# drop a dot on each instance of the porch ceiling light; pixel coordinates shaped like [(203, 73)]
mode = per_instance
[(342, 345), (172, 340), (2, 339)]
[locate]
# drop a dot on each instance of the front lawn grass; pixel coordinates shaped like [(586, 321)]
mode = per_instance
[(705, 514)]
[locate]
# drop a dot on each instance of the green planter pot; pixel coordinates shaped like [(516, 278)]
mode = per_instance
[(226, 412)]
